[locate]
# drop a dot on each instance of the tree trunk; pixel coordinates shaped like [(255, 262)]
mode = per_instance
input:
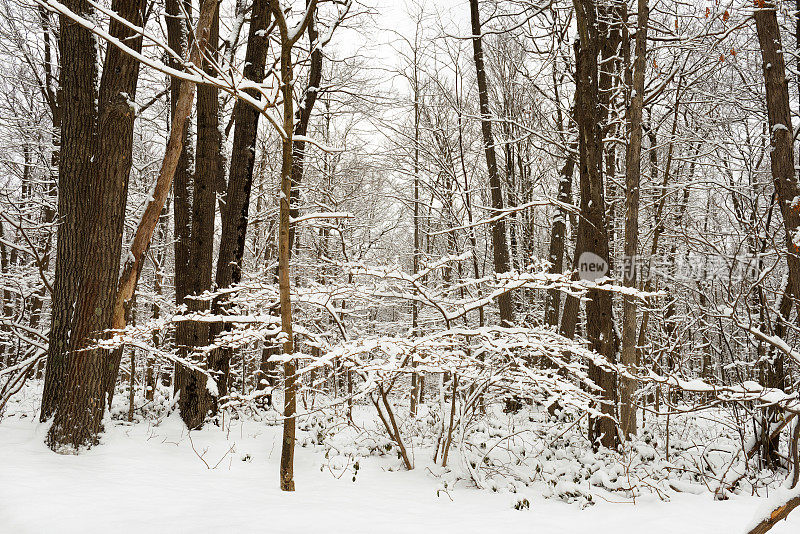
[(780, 123), (77, 84), (169, 167), (284, 240), (240, 182), (302, 120), (633, 156), (499, 244), (196, 400), (177, 38), (592, 230), (781, 153), (91, 374), (558, 236)]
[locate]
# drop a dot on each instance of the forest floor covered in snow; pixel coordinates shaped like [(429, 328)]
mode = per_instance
[(154, 476)]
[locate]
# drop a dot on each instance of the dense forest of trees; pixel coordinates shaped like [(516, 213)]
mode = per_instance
[(583, 205)]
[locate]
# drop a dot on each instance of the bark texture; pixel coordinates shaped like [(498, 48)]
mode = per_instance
[(592, 230), (90, 374), (78, 78), (196, 398), (780, 124)]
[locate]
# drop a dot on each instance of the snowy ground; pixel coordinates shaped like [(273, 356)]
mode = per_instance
[(148, 478)]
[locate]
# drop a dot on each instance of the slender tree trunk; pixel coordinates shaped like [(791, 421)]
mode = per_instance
[(301, 123), (633, 156), (284, 245), (417, 252), (196, 399), (240, 182), (8, 298), (558, 230), (499, 244), (284, 241), (558, 236), (592, 230), (178, 40)]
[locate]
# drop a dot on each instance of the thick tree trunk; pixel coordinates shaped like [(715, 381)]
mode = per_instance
[(91, 373), (169, 167), (781, 155), (240, 182), (499, 244), (78, 94)]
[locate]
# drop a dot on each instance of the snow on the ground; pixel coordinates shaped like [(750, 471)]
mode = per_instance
[(146, 478)]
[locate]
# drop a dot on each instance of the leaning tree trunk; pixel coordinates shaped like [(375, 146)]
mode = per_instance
[(499, 244)]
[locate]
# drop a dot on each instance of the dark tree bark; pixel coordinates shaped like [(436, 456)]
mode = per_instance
[(90, 373), (240, 181), (558, 230), (77, 84), (633, 156), (777, 515), (196, 400), (592, 230), (177, 39), (558, 238), (499, 244), (780, 123), (782, 163), (302, 120)]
